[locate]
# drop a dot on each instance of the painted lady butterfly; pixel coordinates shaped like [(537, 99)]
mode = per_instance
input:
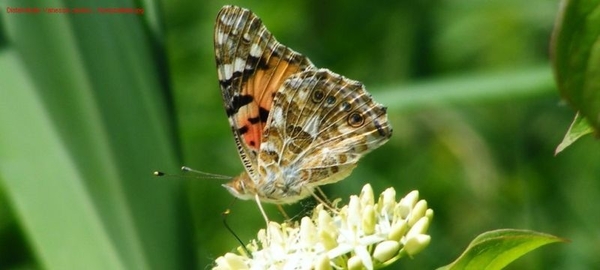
[(296, 126)]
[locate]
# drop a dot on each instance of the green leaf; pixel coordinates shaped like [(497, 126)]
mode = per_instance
[(576, 56), (51, 200), (84, 124), (579, 127), (496, 249)]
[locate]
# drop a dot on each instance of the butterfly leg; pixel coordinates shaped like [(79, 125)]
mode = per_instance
[(262, 211), (322, 199), (323, 196), (267, 228), (285, 215)]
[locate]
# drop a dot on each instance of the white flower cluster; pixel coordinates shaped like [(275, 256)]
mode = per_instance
[(360, 235)]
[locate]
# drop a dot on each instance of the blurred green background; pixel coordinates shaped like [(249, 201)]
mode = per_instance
[(91, 104)]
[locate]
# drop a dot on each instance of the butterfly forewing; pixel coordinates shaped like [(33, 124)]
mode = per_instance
[(251, 66)]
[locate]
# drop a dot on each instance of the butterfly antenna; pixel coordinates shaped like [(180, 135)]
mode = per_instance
[(205, 174), (160, 174)]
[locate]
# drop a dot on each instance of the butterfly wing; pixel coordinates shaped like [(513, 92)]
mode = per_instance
[(320, 125), (251, 67)]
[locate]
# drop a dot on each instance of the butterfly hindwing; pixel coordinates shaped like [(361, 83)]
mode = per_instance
[(320, 125)]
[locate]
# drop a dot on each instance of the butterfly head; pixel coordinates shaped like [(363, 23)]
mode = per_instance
[(241, 187)]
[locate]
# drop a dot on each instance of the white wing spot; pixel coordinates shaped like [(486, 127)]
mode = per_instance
[(220, 37), (294, 82), (312, 126), (226, 71), (239, 64), (277, 118), (255, 50), (268, 146), (246, 37)]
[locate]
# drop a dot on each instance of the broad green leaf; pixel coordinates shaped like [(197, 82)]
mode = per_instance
[(576, 56), (51, 200), (84, 123), (579, 127), (496, 249)]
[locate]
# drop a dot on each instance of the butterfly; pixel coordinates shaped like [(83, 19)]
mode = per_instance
[(296, 126)]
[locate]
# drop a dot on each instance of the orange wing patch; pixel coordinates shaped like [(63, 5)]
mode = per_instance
[(262, 86)]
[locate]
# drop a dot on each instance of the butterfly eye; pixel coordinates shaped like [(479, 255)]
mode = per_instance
[(345, 106), (355, 119), (330, 100), (317, 96)]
